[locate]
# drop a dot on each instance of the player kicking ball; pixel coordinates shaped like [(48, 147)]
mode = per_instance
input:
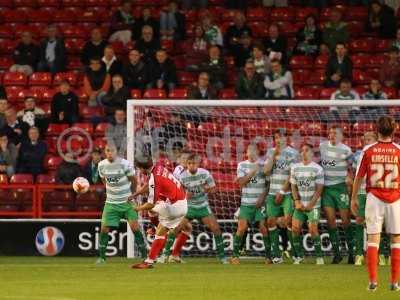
[(252, 182), (380, 163), (198, 183), (167, 198), (336, 160), (119, 179), (307, 183)]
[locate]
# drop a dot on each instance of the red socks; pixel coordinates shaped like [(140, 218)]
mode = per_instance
[(395, 263), (179, 243), (156, 247), (372, 262)]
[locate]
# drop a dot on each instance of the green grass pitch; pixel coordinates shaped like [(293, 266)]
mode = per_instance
[(40, 278)]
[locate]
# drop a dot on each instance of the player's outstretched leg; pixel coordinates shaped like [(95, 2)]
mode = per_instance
[(237, 240), (139, 240), (213, 225), (348, 230), (267, 244), (297, 224), (167, 249), (103, 242)]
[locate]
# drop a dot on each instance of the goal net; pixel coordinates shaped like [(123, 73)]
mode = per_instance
[(220, 131)]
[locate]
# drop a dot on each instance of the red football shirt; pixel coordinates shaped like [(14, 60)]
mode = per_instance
[(380, 162), (164, 186)]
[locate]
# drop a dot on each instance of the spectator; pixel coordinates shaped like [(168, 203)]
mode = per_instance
[(172, 133), (374, 93), (68, 170), (396, 42), (32, 153), (3, 108), (122, 23), (163, 72), (147, 19), (196, 49), (335, 31), (135, 72), (3, 93), (116, 96), (212, 33), (94, 47), (245, 50), (148, 45), (90, 170), (278, 82), (214, 66), (116, 132), (64, 106), (308, 37), (381, 19), (339, 67), (345, 92), (112, 63), (26, 55), (202, 89), (193, 4), (96, 81), (235, 33), (8, 155), (15, 129), (172, 23), (261, 62), (52, 52), (276, 3), (33, 115), (250, 83), (275, 44), (389, 73)]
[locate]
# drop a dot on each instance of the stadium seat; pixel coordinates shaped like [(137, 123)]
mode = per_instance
[(390, 92), (360, 59), (228, 93), (186, 78), (70, 76), (382, 45), (15, 79), (88, 112), (358, 13), (14, 16), (6, 32), (321, 61), (316, 77), (7, 202), (155, 94), (21, 179), (46, 93), (306, 93), (178, 93), (52, 162), (136, 94), (360, 77), (48, 3), (228, 15), (302, 12), (87, 127), (326, 93), (375, 61), (88, 202), (13, 93), (45, 179), (100, 143), (40, 78), (301, 62), (360, 45), (257, 14), (56, 129), (67, 16), (282, 14), (7, 46), (100, 129), (40, 16), (58, 201)]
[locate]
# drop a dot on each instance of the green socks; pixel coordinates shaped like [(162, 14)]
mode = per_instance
[(297, 245), (219, 242), (274, 236), (169, 243), (333, 237), (349, 239), (140, 243), (103, 245), (317, 246), (237, 242), (359, 239), (267, 246), (384, 245), (293, 250)]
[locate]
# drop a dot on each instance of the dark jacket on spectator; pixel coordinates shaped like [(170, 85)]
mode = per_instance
[(195, 93), (216, 71), (113, 100), (115, 68), (165, 71), (141, 22), (235, 33), (31, 157), (14, 137), (279, 45), (118, 22), (60, 59), (136, 76), (3, 93), (9, 157), (333, 66), (250, 89), (91, 50), (91, 173), (67, 104), (67, 172), (312, 45), (26, 55), (148, 49), (387, 20)]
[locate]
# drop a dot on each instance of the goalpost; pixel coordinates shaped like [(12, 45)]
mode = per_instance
[(220, 131)]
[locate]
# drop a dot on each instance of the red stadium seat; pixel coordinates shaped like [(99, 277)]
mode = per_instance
[(375, 61), (70, 76), (326, 93), (45, 179), (100, 129), (100, 143), (136, 94), (6, 63), (48, 3), (282, 14), (64, 16), (22, 179), (53, 162), (13, 93), (155, 94), (257, 14), (186, 78), (46, 94), (14, 78), (316, 77), (40, 16), (360, 59), (301, 62), (303, 12), (7, 202), (360, 77), (227, 94), (360, 45), (178, 94), (382, 45), (15, 16), (58, 201), (7, 46), (390, 92), (56, 129), (355, 28), (306, 93), (40, 78), (88, 127), (88, 112), (358, 13), (321, 61), (6, 32), (228, 15)]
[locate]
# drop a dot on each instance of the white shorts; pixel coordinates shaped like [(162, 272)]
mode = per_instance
[(377, 212), (170, 215)]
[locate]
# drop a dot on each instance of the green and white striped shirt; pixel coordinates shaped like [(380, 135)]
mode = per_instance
[(356, 161), (194, 183), (306, 178), (115, 174), (335, 160), (256, 186), (281, 169)]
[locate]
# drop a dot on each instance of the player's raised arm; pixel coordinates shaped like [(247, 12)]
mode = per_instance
[(244, 178), (295, 192)]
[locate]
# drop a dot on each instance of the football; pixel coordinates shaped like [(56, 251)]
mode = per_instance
[(80, 185)]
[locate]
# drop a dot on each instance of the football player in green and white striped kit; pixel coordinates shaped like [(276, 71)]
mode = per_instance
[(198, 183), (119, 178), (307, 183), (253, 184), (336, 160), (279, 200)]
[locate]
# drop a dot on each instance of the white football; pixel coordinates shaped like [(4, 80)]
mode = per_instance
[(81, 185)]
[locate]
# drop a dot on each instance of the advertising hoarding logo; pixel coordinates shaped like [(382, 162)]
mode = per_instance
[(49, 241)]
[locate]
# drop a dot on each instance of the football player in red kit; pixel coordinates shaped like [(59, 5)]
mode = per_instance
[(380, 164)]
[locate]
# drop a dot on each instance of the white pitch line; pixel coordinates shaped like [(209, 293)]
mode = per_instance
[(36, 297)]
